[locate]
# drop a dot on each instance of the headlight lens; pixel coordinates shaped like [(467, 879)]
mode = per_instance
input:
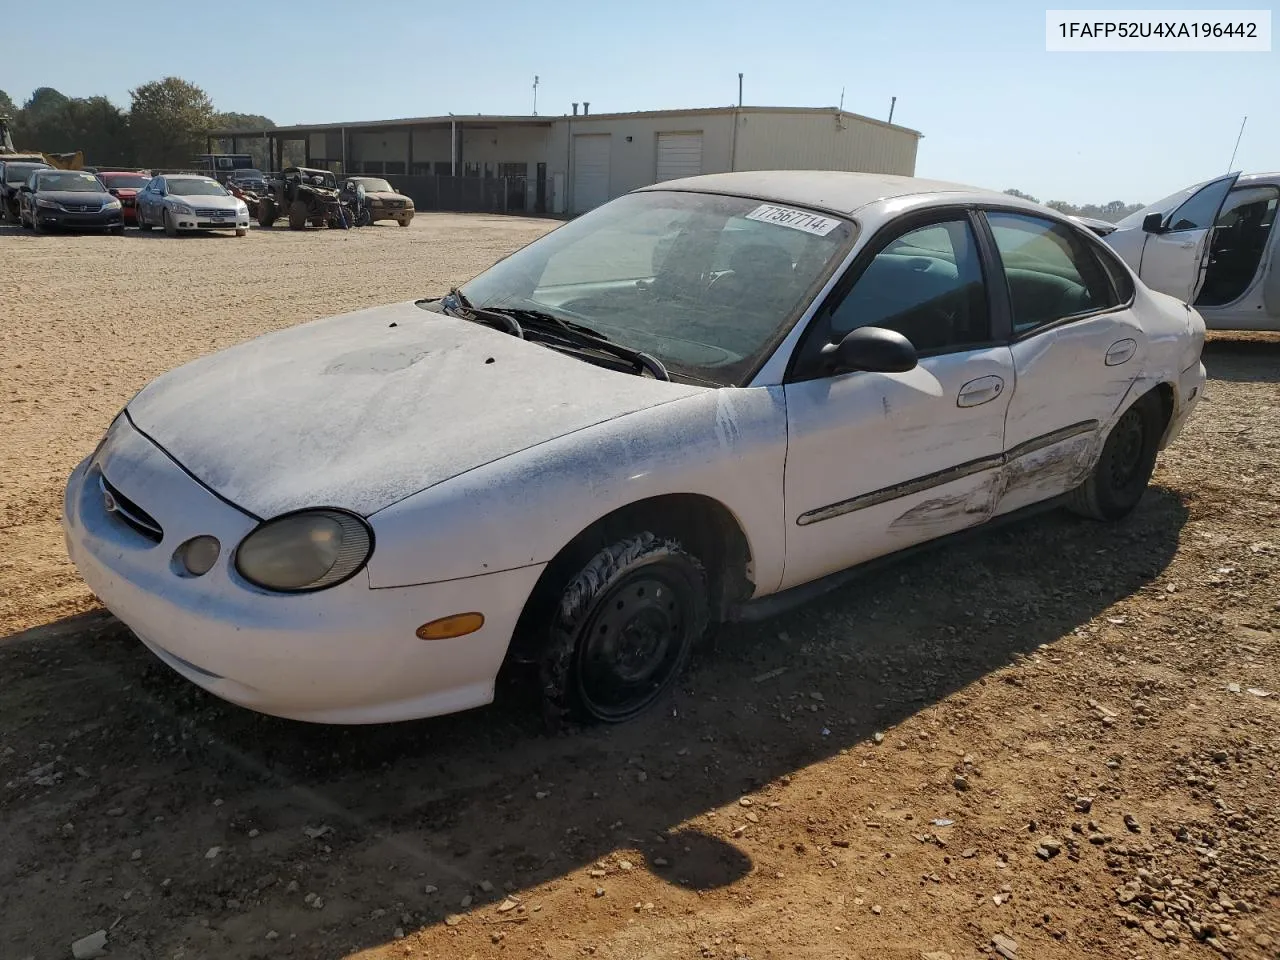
[(302, 551), (242, 207), (181, 208), (49, 204), (111, 205)]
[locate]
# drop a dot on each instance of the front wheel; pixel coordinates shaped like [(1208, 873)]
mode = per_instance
[(242, 231), (170, 228), (140, 219), (622, 630), (1124, 468)]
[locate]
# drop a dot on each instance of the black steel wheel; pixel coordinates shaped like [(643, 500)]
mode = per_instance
[(1124, 467), (625, 625)]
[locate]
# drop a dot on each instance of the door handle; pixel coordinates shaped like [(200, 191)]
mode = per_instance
[(1121, 351), (980, 391)]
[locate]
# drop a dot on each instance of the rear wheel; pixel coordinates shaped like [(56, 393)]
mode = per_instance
[(623, 629), (266, 212), (1124, 468), (298, 214)]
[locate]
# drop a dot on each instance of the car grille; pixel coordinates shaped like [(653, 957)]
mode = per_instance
[(127, 512), (393, 203), (214, 212), (82, 207)]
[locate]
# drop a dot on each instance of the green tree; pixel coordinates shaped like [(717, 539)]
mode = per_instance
[(169, 120), (1020, 195), (7, 107)]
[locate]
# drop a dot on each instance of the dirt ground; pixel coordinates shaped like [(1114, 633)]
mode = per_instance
[(1055, 740)]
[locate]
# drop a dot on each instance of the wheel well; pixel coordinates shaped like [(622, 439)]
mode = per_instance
[(1164, 392), (704, 526)]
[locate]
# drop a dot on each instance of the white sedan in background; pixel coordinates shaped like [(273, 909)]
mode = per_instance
[(182, 203), (1213, 245), (701, 395)]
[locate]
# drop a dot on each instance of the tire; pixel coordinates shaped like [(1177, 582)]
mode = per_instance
[(404, 221), (1123, 470), (619, 592), (35, 225), (298, 214), (242, 231), (266, 212), (140, 219), (117, 231), (170, 228)]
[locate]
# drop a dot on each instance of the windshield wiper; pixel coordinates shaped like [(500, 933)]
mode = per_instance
[(484, 315), (580, 335)]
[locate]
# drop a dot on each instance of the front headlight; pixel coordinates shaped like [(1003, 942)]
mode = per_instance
[(242, 207), (181, 208), (48, 204), (112, 204), (308, 550)]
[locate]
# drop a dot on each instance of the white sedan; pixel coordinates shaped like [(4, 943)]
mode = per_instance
[(1213, 245), (182, 203), (701, 395)]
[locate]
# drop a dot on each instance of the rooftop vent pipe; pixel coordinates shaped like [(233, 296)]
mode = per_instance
[(575, 109), (586, 107)]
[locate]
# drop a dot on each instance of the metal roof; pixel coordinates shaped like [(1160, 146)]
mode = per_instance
[(833, 190), (545, 120)]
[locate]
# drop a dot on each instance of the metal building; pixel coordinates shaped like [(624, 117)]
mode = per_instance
[(565, 165)]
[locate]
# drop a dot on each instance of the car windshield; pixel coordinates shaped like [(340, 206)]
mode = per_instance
[(71, 182), (374, 185), (127, 181), (1162, 207), (196, 188), (705, 283), (18, 172)]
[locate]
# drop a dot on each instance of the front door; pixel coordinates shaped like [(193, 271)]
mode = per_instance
[(1175, 258), (877, 462), (1077, 349)]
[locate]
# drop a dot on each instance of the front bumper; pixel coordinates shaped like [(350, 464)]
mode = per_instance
[(191, 221), (344, 655), (102, 220)]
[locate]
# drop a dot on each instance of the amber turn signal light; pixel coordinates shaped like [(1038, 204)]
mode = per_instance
[(457, 625)]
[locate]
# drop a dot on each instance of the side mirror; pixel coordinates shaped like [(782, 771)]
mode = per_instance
[(24, 188), (1153, 223), (872, 349)]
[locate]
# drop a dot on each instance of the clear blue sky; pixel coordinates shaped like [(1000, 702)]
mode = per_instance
[(995, 108)]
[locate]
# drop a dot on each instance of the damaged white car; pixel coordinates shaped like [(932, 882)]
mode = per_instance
[(689, 403), (1213, 245)]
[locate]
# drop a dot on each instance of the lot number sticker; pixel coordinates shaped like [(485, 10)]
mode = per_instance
[(795, 219)]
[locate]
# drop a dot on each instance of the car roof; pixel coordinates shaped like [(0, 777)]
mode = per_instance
[(186, 176), (1255, 179), (832, 190)]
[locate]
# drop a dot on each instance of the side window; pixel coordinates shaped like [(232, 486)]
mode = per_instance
[(1051, 271), (1121, 279), (1200, 209), (927, 285)]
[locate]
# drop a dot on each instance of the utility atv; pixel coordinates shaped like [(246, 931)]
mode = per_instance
[(305, 196)]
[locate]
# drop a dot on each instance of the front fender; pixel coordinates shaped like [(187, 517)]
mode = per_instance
[(727, 444)]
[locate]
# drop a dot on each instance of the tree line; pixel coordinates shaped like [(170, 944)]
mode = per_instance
[(165, 126), (1112, 212)]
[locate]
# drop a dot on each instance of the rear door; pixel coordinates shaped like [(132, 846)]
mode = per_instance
[(1077, 349), (1175, 259)]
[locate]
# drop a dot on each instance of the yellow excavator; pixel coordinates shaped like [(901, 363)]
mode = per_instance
[(63, 161)]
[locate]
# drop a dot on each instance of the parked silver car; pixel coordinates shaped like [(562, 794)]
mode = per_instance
[(190, 202)]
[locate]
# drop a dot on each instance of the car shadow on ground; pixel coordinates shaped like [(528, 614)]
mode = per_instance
[(1244, 357), (485, 803)]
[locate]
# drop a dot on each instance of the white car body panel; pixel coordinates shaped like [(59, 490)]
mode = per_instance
[(1176, 264), (474, 476), (370, 407), (856, 440)]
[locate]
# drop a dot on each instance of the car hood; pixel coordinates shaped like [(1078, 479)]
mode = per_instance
[(385, 195), (74, 196), (364, 409), (214, 202)]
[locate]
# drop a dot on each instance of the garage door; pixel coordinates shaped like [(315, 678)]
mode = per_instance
[(590, 171), (679, 155)]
